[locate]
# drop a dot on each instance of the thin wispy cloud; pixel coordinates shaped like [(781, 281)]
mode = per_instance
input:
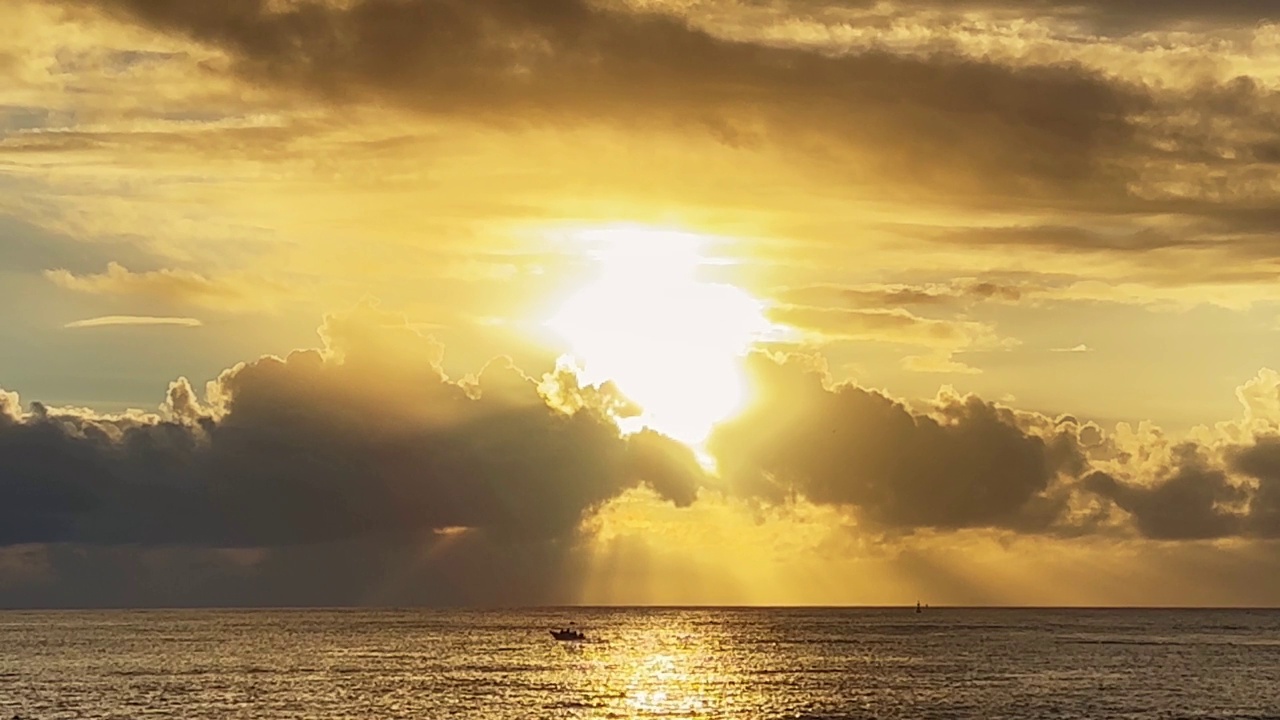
[(170, 287), (118, 320)]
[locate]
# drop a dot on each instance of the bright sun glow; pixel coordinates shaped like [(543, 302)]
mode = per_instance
[(671, 343)]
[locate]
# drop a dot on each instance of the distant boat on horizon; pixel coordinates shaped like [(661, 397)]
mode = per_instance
[(569, 635)]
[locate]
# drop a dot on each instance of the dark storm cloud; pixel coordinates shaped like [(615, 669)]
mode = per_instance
[(969, 465), (943, 120), (311, 449)]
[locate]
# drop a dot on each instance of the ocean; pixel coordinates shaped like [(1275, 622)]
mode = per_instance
[(640, 663)]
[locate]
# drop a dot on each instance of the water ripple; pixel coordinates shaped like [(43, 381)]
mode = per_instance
[(641, 663)]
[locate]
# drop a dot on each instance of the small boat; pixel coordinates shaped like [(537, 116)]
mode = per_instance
[(568, 635), (917, 606)]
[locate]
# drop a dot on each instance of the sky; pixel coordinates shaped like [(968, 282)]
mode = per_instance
[(517, 302)]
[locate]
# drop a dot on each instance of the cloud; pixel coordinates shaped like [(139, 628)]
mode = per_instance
[(967, 463), (998, 104), (113, 320), (361, 460), (212, 142), (1081, 348), (1000, 116), (938, 363), (1261, 461), (1069, 238), (1261, 400), (1186, 506), (962, 462), (365, 437), (1217, 483), (1138, 15), (898, 326), (873, 296), (169, 287), (512, 62), (1200, 232), (1214, 273), (1120, 16)]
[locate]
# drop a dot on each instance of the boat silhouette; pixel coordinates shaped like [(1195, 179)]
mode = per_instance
[(568, 635)]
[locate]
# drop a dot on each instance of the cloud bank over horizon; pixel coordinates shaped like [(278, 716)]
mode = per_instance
[(285, 469)]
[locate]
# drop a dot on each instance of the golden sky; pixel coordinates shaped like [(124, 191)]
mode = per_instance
[(639, 301)]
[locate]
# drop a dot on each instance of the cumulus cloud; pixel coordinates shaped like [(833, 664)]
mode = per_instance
[(962, 462), (1188, 505), (362, 458), (967, 463), (1261, 400), (1217, 483), (360, 438), (1261, 461)]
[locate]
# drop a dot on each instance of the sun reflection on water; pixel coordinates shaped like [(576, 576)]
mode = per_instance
[(655, 667), (661, 684)]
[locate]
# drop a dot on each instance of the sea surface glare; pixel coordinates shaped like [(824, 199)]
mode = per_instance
[(641, 663)]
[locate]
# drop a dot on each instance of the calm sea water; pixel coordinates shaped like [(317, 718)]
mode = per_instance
[(641, 663)]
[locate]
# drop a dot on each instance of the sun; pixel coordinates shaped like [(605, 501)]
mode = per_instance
[(671, 343)]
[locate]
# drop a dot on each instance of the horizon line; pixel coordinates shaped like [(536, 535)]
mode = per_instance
[(574, 607)]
